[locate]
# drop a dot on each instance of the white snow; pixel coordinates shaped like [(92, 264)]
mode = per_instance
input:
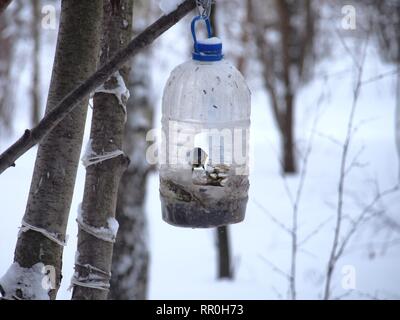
[(90, 157), (120, 90), (113, 226), (32, 281), (167, 6), (108, 233), (210, 41), (55, 237)]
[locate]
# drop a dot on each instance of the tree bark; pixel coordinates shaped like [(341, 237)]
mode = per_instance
[(57, 159), (287, 136), (397, 114), (7, 44), (224, 256), (35, 89), (93, 265), (72, 100), (130, 263), (131, 253), (3, 5), (289, 158)]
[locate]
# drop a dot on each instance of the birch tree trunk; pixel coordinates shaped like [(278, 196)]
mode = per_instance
[(97, 224), (131, 253), (46, 215), (130, 263)]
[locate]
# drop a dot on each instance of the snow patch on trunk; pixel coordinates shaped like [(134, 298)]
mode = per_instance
[(31, 283), (90, 157), (116, 86), (108, 234)]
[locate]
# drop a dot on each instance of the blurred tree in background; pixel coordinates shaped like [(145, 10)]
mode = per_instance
[(35, 89), (387, 27), (9, 35), (284, 32)]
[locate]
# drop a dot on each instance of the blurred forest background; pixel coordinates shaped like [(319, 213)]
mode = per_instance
[(323, 213)]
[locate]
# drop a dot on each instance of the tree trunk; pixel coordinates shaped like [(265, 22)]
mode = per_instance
[(287, 133), (46, 215), (223, 247), (131, 253), (6, 60), (224, 256), (289, 158), (398, 113), (35, 90), (3, 5), (97, 224)]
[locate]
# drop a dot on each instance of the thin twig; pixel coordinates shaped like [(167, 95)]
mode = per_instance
[(342, 177), (314, 232), (381, 76), (275, 268), (362, 217), (298, 196), (279, 223)]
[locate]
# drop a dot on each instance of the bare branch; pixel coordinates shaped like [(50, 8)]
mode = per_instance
[(299, 193), (361, 218), (330, 139), (314, 232), (342, 177), (275, 268), (355, 163), (279, 223), (381, 76)]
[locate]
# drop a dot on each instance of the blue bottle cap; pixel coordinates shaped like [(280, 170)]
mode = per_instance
[(209, 49)]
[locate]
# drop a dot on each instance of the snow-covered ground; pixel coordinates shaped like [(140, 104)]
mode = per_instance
[(183, 262)]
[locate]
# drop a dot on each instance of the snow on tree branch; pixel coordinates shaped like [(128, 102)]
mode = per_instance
[(167, 6)]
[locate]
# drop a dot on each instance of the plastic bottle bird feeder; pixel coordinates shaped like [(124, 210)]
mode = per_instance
[(204, 156)]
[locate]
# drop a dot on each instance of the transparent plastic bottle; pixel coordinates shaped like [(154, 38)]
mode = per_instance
[(204, 154)]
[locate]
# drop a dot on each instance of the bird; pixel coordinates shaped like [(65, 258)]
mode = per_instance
[(198, 158)]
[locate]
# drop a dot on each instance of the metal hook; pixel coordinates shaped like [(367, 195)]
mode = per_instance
[(205, 7)]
